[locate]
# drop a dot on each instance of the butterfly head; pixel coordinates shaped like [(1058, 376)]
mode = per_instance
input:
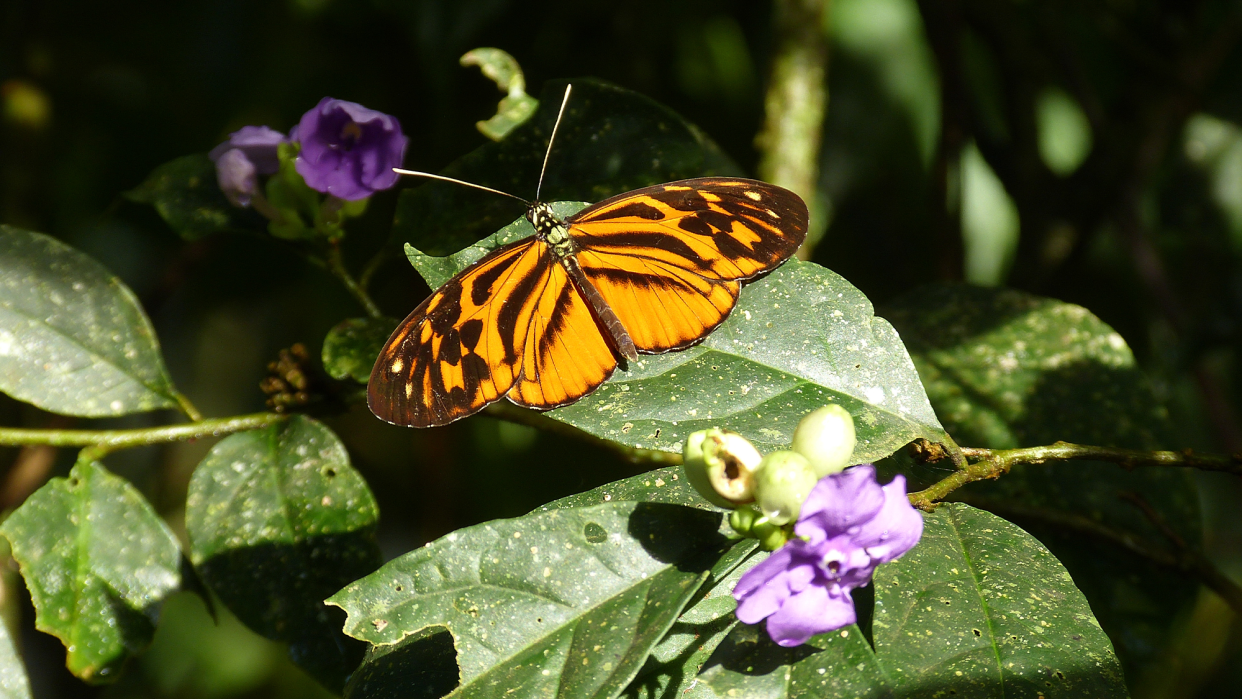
[(550, 228)]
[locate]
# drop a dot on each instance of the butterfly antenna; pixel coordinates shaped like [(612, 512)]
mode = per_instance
[(415, 173), (557, 125)]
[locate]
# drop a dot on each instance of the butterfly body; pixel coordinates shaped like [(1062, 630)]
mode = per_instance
[(542, 321)]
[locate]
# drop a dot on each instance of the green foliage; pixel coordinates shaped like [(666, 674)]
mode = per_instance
[(516, 106), (98, 562), (798, 338), (612, 140), (978, 609), (185, 194), (1006, 369), (278, 520), (73, 338), (351, 346)]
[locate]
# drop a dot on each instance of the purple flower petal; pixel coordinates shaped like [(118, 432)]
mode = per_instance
[(838, 502), (259, 143), (815, 611), (236, 175), (349, 151), (849, 524)]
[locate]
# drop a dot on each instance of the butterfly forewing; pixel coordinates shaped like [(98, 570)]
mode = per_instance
[(667, 260), (462, 348)]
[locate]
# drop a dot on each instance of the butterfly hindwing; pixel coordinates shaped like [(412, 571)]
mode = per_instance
[(668, 259)]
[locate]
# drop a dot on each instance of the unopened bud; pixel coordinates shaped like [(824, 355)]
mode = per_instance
[(743, 519), (720, 465), (826, 438), (770, 536), (782, 483)]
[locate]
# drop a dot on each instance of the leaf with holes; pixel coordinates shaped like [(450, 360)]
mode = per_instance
[(278, 520), (98, 563), (351, 346), (73, 338), (798, 338), (564, 603)]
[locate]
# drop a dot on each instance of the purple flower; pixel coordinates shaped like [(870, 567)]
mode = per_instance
[(849, 524), (250, 151), (348, 151)]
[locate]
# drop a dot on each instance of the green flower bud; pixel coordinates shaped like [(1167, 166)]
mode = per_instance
[(782, 483), (826, 438), (743, 519), (770, 536), (720, 465)]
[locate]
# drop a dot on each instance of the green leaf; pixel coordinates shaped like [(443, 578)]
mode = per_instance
[(73, 338), (798, 338), (185, 194), (611, 140), (666, 485), (278, 520), (13, 681), (565, 603), (98, 562), (350, 349), (748, 664), (981, 607), (517, 106), (1008, 369)]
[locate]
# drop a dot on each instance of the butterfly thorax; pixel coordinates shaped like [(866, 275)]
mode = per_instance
[(551, 229)]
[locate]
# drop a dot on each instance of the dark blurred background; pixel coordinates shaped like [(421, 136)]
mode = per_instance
[(1087, 150)]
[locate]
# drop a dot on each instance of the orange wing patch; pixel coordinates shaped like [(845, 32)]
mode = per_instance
[(461, 348)]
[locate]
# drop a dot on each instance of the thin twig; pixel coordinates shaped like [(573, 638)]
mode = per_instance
[(992, 463), (101, 442), (635, 455), (336, 265)]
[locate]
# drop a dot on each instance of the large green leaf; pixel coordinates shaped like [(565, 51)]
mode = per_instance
[(278, 520), (798, 338), (1007, 369), (13, 681), (98, 562), (564, 603), (611, 140), (977, 609), (73, 338), (982, 608), (185, 194)]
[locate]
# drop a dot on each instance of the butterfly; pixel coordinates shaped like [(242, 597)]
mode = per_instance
[(544, 320)]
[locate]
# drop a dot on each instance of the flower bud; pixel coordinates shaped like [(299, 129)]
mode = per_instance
[(826, 438), (782, 482), (743, 519), (771, 536), (720, 465)]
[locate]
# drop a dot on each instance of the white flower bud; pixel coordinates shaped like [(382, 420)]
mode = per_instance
[(782, 483), (826, 438), (720, 465)]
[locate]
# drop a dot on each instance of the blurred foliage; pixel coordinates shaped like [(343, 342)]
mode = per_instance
[(1113, 129)]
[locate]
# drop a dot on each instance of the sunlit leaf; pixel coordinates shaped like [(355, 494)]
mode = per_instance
[(185, 194), (798, 338), (73, 338), (98, 562), (982, 608), (565, 603), (278, 520)]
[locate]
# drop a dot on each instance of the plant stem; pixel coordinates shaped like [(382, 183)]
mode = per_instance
[(337, 266), (992, 463), (101, 442), (794, 107), (187, 407), (512, 413)]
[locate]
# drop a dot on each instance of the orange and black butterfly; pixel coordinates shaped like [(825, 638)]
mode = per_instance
[(544, 320)]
